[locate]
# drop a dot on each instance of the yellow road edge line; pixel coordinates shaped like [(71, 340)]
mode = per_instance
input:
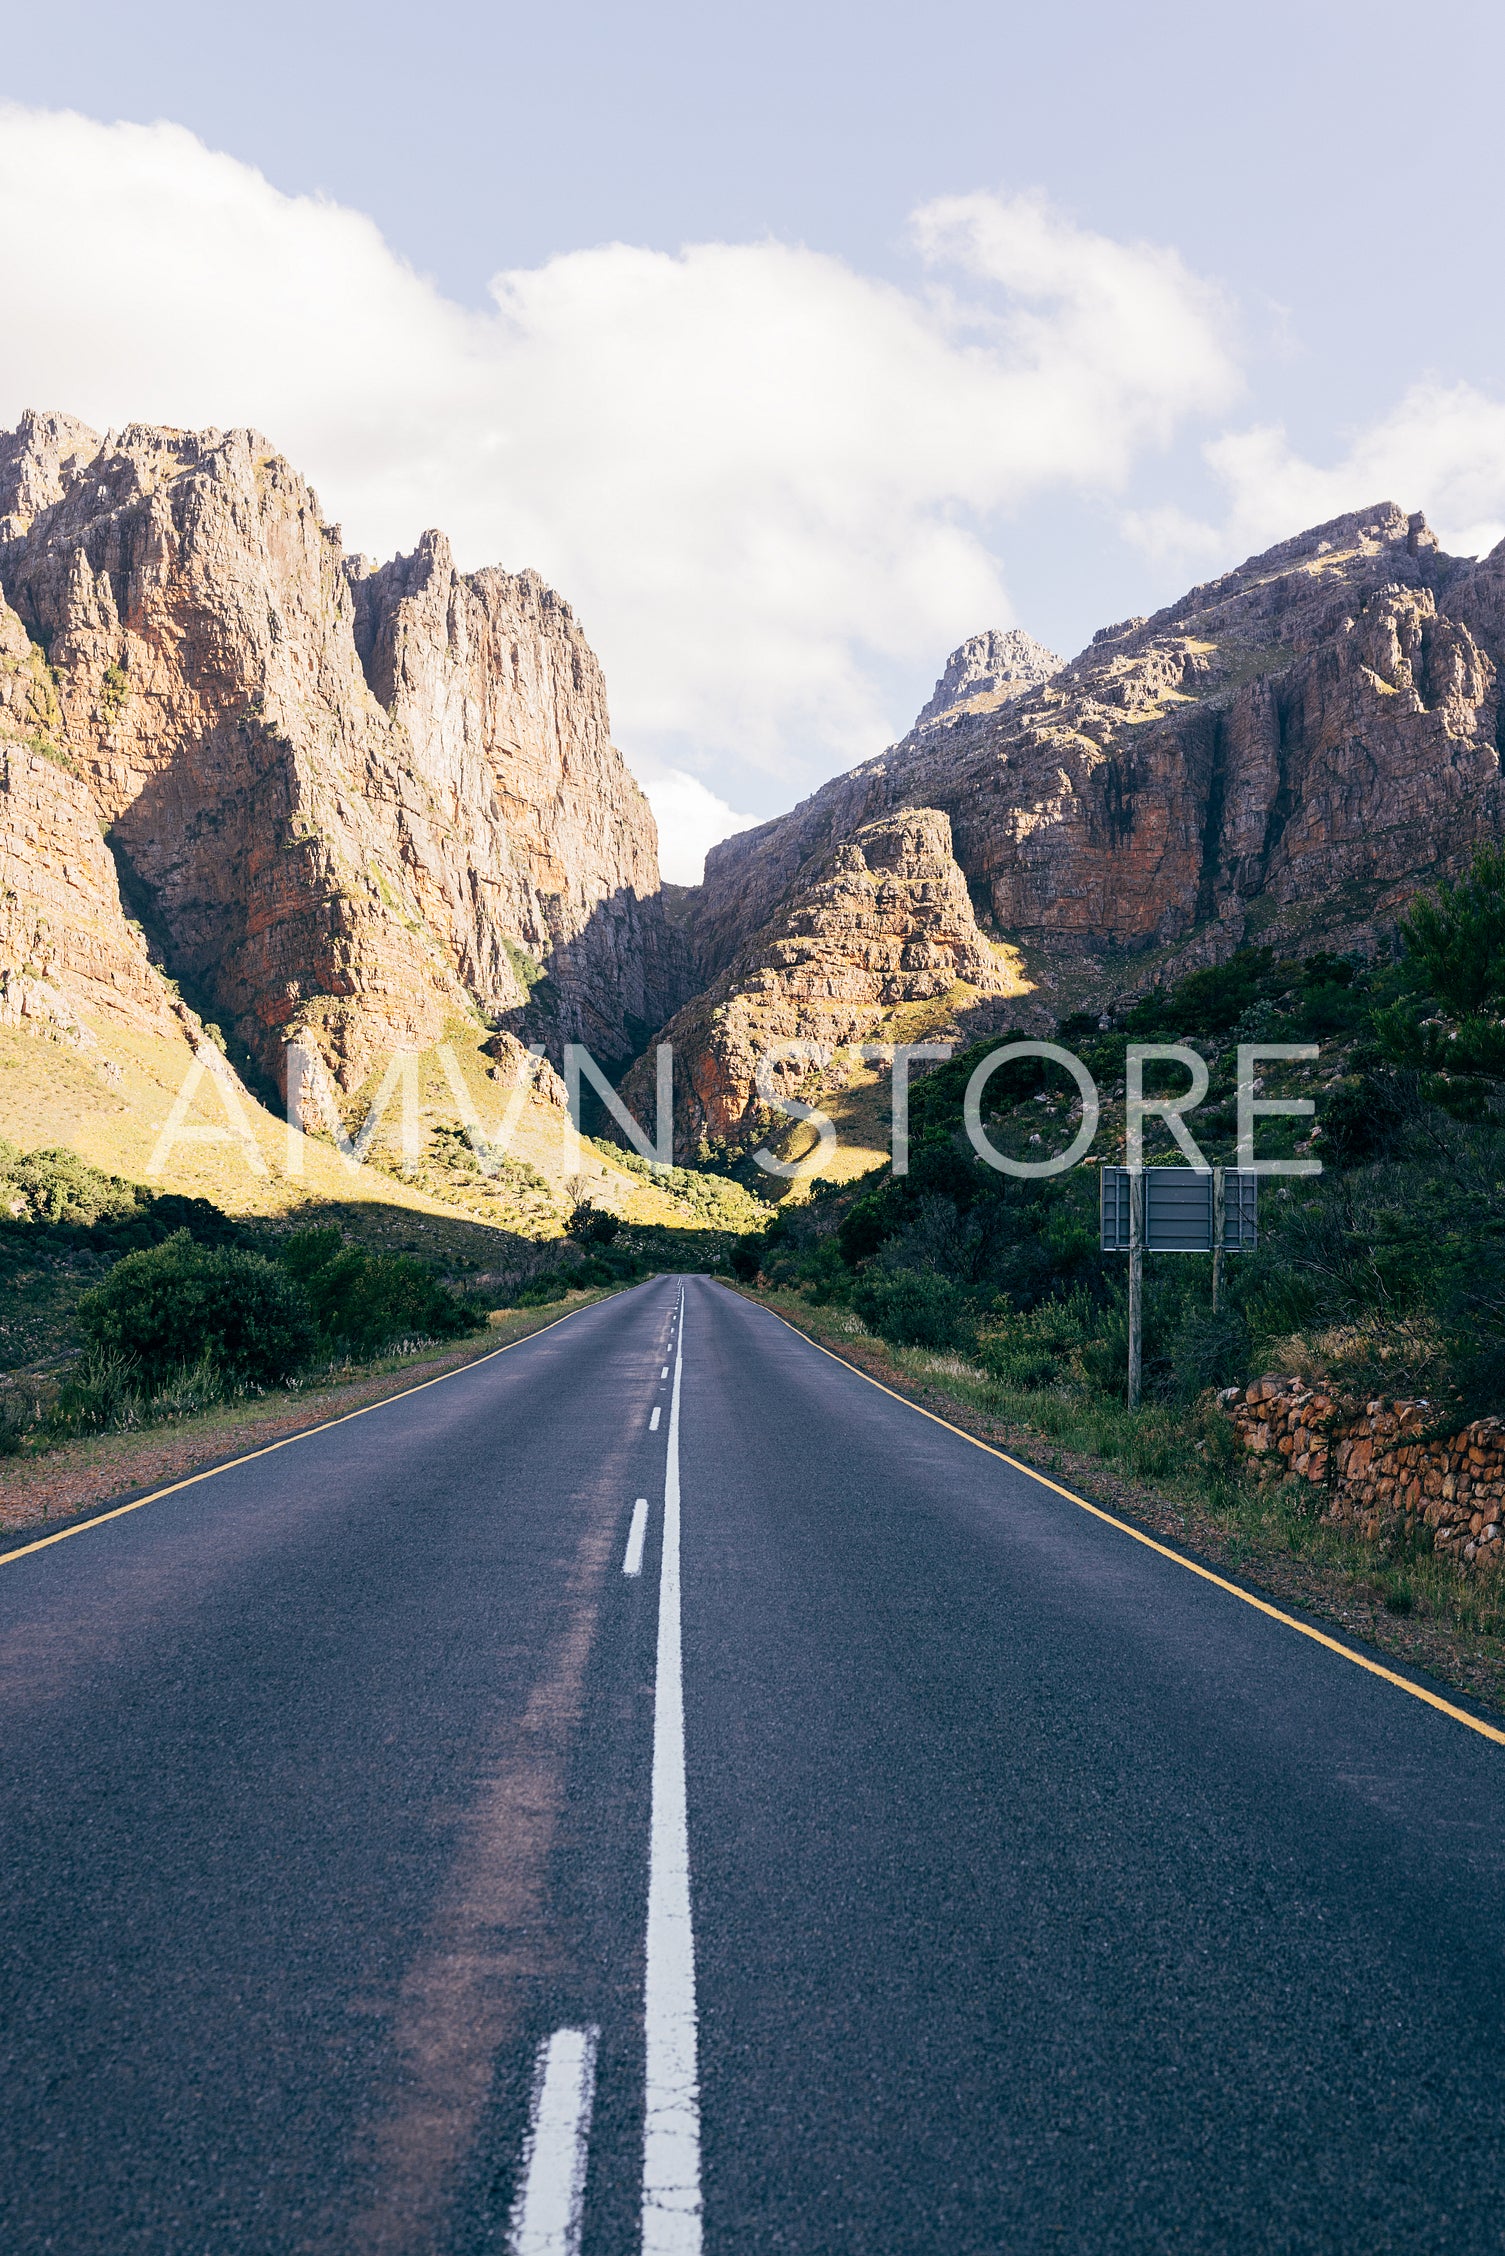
[(1178, 1558), (191, 1480)]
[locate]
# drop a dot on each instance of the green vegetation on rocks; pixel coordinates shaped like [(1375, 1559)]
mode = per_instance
[(1383, 1274)]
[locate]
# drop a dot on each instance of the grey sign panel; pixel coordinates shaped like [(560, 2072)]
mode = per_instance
[(1240, 1210), (1113, 1208), (1177, 1210), (1179, 1205)]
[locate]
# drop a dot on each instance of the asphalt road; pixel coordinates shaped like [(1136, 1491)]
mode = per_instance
[(1041, 1895)]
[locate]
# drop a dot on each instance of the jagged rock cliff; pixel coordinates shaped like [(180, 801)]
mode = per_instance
[(881, 921), (65, 945), (346, 801), (342, 801), (986, 671), (1290, 749)]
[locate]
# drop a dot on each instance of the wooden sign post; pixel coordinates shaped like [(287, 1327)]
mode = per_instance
[(1173, 1210)]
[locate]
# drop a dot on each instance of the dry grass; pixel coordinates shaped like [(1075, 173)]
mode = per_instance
[(109, 1102)]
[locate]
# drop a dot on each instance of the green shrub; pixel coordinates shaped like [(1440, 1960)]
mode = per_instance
[(54, 1199), (538, 1292), (188, 1392), (1212, 1000), (17, 1420), (863, 1229), (591, 1225), (102, 1394), (362, 1302), (1209, 1349), (1456, 938), (306, 1252), (58, 1186), (747, 1257), (717, 1202), (168, 1306), (1361, 1119), (1040, 1346), (567, 1277), (913, 1308), (171, 1211), (822, 1273)]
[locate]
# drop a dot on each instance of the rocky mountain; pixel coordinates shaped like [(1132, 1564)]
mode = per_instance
[(987, 670), (1288, 751), (882, 921), (341, 801), (355, 803)]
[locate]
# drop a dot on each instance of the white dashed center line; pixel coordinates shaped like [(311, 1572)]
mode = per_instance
[(633, 1562), (546, 2213), (671, 2132)]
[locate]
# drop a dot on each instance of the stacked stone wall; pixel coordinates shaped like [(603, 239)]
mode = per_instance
[(1380, 1466)]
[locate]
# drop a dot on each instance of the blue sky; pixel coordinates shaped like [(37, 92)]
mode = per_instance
[(917, 321)]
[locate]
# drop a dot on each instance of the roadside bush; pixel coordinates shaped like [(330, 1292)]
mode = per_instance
[(165, 1308), (102, 1394), (1209, 1350), (820, 1273), (913, 1308), (361, 1302), (188, 1392), (538, 1292), (569, 1276), (747, 1257), (587, 1276), (1040, 1346), (863, 1229), (18, 1416)]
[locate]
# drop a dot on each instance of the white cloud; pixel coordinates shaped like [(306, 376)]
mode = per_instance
[(691, 819), (1441, 448), (761, 477)]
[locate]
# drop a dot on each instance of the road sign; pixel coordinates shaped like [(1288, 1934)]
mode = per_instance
[(1180, 1206)]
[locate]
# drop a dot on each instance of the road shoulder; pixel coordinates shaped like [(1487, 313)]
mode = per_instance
[(57, 1488), (1330, 1597)]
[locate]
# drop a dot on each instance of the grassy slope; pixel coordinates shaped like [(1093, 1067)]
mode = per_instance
[(52, 1093), (857, 1095), (108, 1104)]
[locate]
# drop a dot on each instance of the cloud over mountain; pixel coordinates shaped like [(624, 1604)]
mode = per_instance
[(761, 476)]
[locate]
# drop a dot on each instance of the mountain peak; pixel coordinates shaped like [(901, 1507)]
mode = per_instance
[(999, 663)]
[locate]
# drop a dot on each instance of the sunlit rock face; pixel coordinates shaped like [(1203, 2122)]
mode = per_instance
[(343, 802), (1288, 751), (881, 922)]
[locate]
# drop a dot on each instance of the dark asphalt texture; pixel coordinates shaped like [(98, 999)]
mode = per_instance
[(1046, 1897)]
